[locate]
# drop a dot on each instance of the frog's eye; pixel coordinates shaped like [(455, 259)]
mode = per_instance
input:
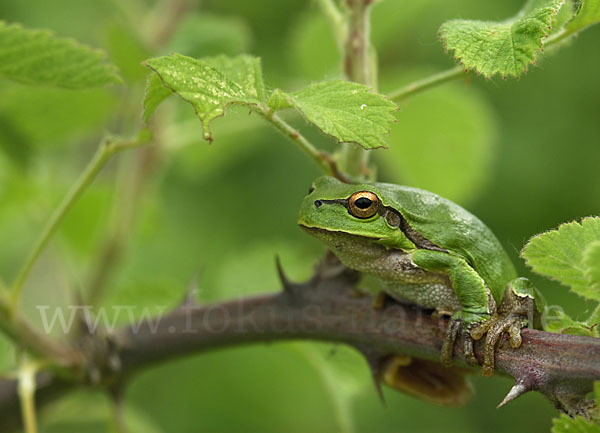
[(363, 204)]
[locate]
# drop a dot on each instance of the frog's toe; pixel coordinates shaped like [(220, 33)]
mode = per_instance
[(514, 331), (469, 353), (451, 333), (478, 331), (497, 328)]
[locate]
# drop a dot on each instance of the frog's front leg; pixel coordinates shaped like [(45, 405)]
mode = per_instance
[(477, 304)]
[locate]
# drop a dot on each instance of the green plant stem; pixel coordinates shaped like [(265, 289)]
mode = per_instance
[(427, 83), (27, 397), (306, 146), (107, 148), (358, 68), (337, 21)]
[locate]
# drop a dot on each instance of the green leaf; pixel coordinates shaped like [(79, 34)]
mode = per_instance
[(279, 100), (591, 259), (563, 324), (210, 90), (559, 254), (593, 322), (155, 94), (39, 57), (127, 51), (347, 111), (244, 70), (587, 14), (566, 424), (313, 52), (342, 377), (504, 47)]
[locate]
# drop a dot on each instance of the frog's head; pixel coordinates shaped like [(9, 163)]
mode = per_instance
[(334, 209)]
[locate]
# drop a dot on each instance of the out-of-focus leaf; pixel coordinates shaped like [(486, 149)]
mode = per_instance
[(588, 13), (313, 52), (209, 90), (211, 35), (566, 424), (127, 52), (342, 372), (49, 116), (13, 142), (559, 254), (252, 270), (505, 47), (138, 299), (91, 412), (7, 355), (452, 155), (347, 111), (39, 57), (563, 324)]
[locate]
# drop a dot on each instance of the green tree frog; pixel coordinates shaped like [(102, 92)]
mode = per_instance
[(427, 251)]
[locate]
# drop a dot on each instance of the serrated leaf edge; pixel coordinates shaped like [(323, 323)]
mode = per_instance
[(556, 230), (459, 59), (205, 125), (371, 90)]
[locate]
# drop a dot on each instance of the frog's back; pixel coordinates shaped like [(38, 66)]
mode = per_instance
[(453, 228)]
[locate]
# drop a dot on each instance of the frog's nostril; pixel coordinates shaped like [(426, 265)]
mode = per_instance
[(318, 203)]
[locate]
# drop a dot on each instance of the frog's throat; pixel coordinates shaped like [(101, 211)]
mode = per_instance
[(351, 249), (325, 235)]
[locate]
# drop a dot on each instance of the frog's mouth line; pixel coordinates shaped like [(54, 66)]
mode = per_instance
[(320, 230)]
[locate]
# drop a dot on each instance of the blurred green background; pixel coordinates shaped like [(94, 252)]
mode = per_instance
[(523, 155)]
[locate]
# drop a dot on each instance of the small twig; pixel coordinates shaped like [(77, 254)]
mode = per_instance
[(107, 148), (26, 388), (323, 160), (427, 83)]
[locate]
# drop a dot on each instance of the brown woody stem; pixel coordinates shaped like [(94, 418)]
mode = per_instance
[(563, 367)]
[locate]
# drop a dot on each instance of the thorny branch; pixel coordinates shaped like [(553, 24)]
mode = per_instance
[(562, 367)]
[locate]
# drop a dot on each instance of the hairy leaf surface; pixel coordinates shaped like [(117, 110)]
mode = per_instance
[(347, 111), (561, 255), (208, 89), (504, 47)]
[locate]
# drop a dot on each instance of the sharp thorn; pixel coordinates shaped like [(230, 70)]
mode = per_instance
[(286, 283), (517, 390)]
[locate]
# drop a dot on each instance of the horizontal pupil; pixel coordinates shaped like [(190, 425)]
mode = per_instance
[(363, 203)]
